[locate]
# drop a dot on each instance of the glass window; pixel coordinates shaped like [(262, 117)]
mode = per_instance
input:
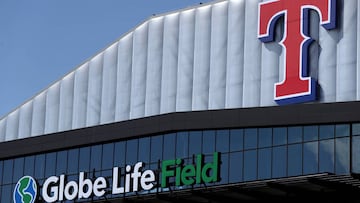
[(61, 162), (342, 130), (1, 175), (250, 138), (195, 139), (182, 144), (107, 156), (356, 129), (18, 169), (236, 167), (311, 153), (39, 166), (156, 148), (265, 137), (119, 154), (264, 169), (310, 133), (73, 161), (224, 172), (169, 146), (279, 162), (84, 159), (326, 156), (132, 151), (208, 142), (50, 168), (280, 136), (236, 139), (6, 190), (356, 154), (29, 165), (222, 140), (144, 149), (342, 158), (250, 165), (294, 134), (295, 160), (96, 157), (326, 132)]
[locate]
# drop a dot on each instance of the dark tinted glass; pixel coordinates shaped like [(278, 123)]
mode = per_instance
[(169, 146), (326, 156), (222, 140), (264, 159), (236, 139), (295, 134), (280, 136), (311, 153), (208, 142), (250, 138), (342, 130), (195, 140), (326, 131), (311, 133), (295, 160), (182, 144), (342, 155), (236, 167), (265, 137), (250, 165), (279, 161)]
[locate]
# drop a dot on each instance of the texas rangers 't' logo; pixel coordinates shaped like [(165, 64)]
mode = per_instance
[(297, 86)]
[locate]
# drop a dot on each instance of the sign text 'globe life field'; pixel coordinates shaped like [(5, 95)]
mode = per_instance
[(56, 188)]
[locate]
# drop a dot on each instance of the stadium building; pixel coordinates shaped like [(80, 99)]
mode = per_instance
[(230, 101)]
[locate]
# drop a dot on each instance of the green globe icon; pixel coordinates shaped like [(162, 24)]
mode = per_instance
[(25, 190)]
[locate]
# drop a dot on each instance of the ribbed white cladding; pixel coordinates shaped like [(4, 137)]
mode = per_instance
[(201, 58)]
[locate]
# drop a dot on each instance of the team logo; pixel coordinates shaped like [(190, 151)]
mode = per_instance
[(25, 190), (297, 86)]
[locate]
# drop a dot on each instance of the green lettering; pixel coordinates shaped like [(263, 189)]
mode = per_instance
[(188, 174), (210, 171), (166, 172)]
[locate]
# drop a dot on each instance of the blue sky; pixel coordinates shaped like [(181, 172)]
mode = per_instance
[(42, 40)]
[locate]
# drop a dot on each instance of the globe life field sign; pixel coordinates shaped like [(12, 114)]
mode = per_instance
[(57, 188)]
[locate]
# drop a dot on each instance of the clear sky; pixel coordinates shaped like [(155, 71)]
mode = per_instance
[(42, 40)]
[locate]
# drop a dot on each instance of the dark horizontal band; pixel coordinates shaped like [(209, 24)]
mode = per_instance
[(303, 114)]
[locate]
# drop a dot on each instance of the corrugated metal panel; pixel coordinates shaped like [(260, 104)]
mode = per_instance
[(206, 57)]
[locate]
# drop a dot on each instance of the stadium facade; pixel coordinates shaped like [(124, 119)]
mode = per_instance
[(234, 100)]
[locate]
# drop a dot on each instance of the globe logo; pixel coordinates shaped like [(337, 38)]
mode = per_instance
[(25, 190)]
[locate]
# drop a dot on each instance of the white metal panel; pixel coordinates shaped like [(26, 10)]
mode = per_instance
[(271, 61), (154, 66), (170, 63), (218, 52), (200, 95), (235, 54), (123, 86), (52, 109), (108, 98), (346, 65), (24, 118), (252, 57), (138, 81), (66, 102), (186, 61), (95, 89), (12, 126), (80, 96), (358, 54), (327, 64), (38, 115), (3, 129)]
